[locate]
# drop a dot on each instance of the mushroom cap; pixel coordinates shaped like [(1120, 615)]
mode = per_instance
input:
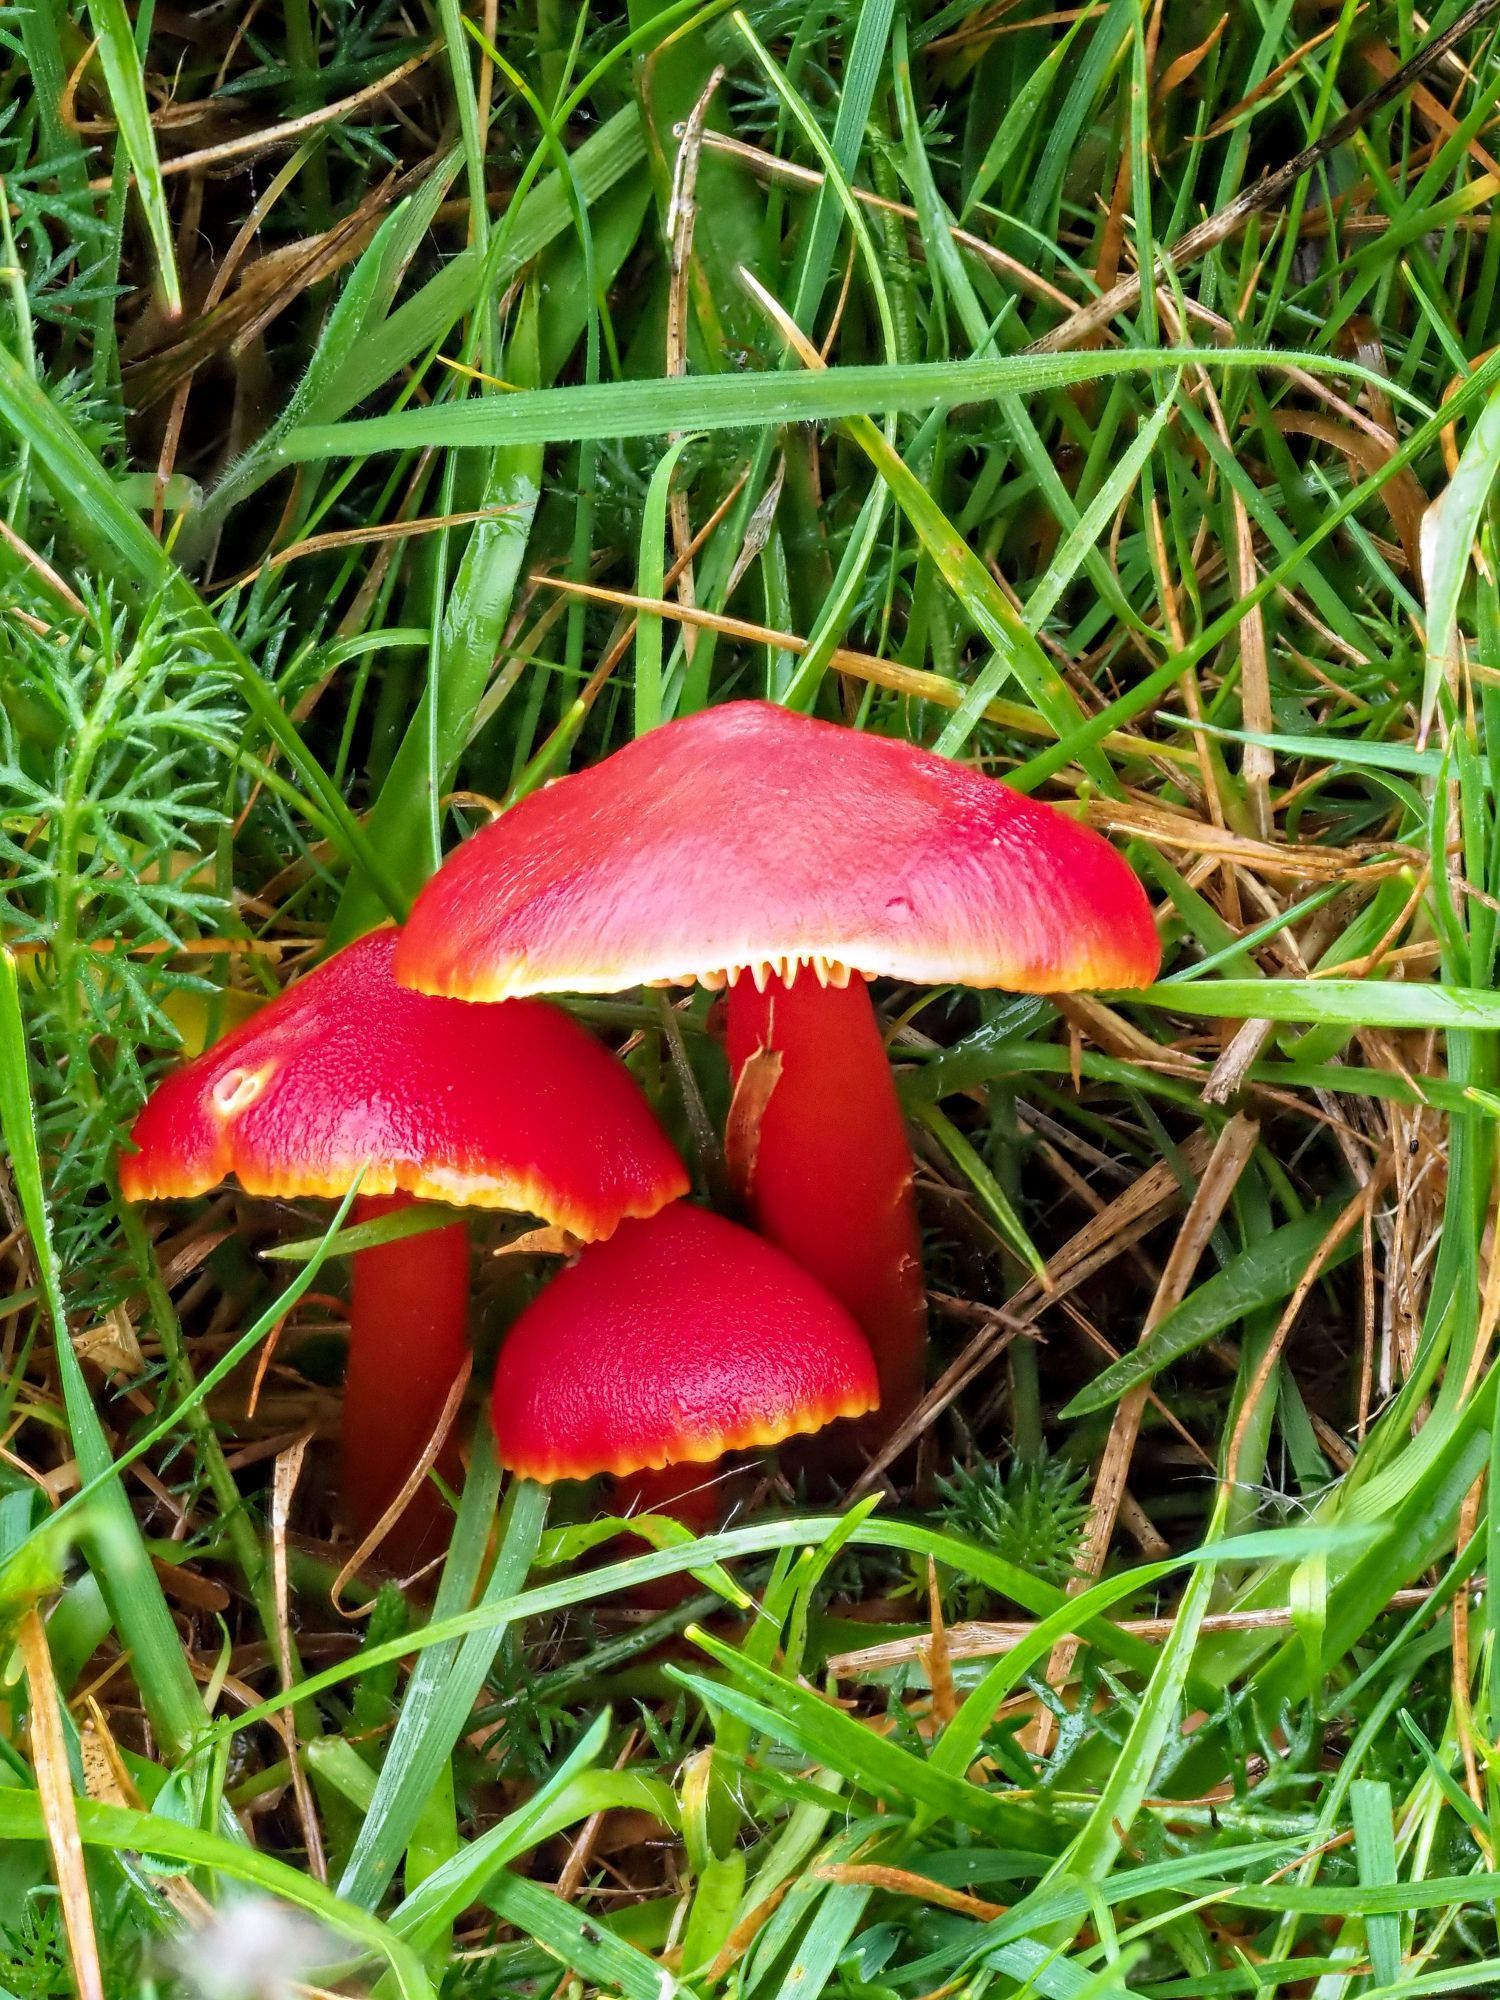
[(513, 1107), (679, 1339), (748, 837)]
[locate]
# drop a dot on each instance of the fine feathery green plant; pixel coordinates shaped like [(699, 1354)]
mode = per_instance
[(1033, 1513), (119, 748)]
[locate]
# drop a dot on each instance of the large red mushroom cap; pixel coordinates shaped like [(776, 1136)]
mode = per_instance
[(748, 837), (679, 1339), (513, 1107)]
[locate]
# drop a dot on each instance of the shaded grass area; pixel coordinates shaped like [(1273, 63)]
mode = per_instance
[(542, 375)]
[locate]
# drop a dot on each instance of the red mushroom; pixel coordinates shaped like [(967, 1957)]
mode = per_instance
[(348, 1074), (680, 1339), (827, 1169), (751, 840)]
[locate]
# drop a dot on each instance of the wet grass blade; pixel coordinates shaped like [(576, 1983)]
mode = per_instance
[(1367, 1003), (125, 79), (730, 402), (116, 1552), (443, 1690), (1261, 1275)]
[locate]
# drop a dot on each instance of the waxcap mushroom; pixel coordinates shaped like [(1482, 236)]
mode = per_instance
[(681, 1338), (512, 1107), (748, 838)]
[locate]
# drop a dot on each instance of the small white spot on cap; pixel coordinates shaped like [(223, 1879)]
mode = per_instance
[(237, 1089)]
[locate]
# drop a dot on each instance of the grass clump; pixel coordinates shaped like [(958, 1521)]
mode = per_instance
[(1033, 1514)]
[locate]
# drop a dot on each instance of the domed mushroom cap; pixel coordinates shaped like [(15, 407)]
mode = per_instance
[(513, 1107), (679, 1339), (749, 837)]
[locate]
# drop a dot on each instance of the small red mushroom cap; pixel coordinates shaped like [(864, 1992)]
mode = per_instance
[(679, 1339), (513, 1107), (748, 837)]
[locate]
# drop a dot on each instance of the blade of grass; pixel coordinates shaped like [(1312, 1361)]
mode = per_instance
[(1005, 1577), (395, 338), (121, 60), (1363, 1003), (1094, 1851), (1371, 1811), (54, 1784), (734, 402), (571, 1793), (985, 1185), (117, 1555), (650, 582), (1061, 571), (440, 1698), (473, 624), (822, 1734), (126, 1831), (1262, 1275), (1448, 530), (118, 540), (587, 1948)]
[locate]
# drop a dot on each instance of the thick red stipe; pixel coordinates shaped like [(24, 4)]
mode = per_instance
[(347, 1076), (408, 1341), (825, 1167), (687, 1492), (693, 1496)]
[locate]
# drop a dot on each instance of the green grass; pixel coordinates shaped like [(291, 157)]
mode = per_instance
[(281, 611)]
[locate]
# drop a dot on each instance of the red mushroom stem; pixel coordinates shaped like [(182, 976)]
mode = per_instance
[(688, 1493), (828, 1176), (408, 1340), (691, 1495)]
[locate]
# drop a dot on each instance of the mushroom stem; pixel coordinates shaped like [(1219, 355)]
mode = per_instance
[(821, 1158), (691, 1495), (408, 1337)]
